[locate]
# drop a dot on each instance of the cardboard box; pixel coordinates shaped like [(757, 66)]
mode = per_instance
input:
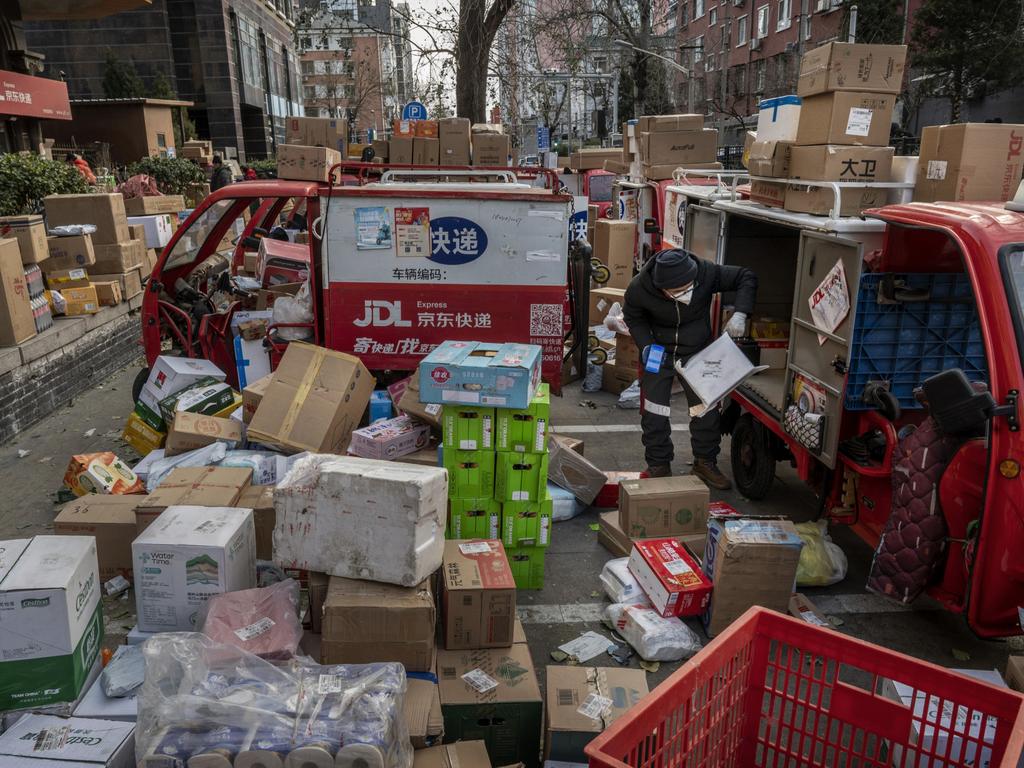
[(526, 523), (801, 607), (472, 372), (205, 397), (770, 158), (108, 294), (252, 396), (157, 228), (80, 301), (527, 564), (846, 117), (409, 402), (423, 716), (569, 470), (617, 378), (191, 431), (1015, 673), (670, 576), (852, 67), (130, 282), (592, 159), (30, 232), (428, 457), (663, 506), (627, 354), (508, 716), (315, 399), (520, 476), (389, 439), (665, 123), (364, 622), (491, 149), (611, 536), (304, 163), (260, 499), (193, 487), (576, 708), (463, 754), (117, 258), (618, 167), (102, 473), (51, 619), (454, 147), (16, 321), (72, 252), (467, 427), (770, 193), (380, 150), (470, 473), (680, 147), (170, 374), (478, 595), (601, 300), (425, 151), (403, 128), (820, 200), (111, 521), (400, 150), (474, 518), (141, 435), (187, 555), (615, 246), (318, 132), (969, 161), (664, 171), (778, 118), (44, 741), (104, 210), (525, 430), (154, 204), (829, 162), (751, 562)]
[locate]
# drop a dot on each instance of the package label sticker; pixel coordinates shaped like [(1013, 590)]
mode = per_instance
[(810, 618), (677, 566), (545, 522), (859, 122), (480, 680), (587, 646), (329, 684), (538, 437), (467, 445), (487, 429), (936, 170), (255, 629), (520, 495), (433, 409), (595, 706), (50, 739), (475, 548)]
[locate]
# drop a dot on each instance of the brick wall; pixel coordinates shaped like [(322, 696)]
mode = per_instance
[(30, 392)]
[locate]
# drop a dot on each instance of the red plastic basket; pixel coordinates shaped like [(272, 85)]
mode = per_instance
[(776, 692)]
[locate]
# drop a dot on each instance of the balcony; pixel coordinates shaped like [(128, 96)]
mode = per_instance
[(77, 10)]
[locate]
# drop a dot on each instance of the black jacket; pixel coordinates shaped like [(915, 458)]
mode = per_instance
[(221, 178), (653, 318)]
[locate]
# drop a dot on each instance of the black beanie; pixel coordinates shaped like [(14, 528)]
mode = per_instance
[(673, 269)]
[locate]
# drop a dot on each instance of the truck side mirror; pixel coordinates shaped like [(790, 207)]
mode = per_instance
[(651, 227)]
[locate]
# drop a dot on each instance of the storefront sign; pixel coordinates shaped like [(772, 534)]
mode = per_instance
[(33, 96)]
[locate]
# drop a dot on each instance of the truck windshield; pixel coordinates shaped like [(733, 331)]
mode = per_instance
[(600, 188), (188, 245), (1012, 258)]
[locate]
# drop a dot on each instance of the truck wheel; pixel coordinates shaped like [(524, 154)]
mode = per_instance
[(753, 465), (137, 385)]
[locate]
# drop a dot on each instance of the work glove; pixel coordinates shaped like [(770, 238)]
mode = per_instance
[(737, 325)]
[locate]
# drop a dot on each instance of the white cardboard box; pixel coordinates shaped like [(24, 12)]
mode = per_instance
[(186, 555), (362, 518), (172, 374), (49, 610), (73, 743), (777, 118), (158, 228), (95, 703)]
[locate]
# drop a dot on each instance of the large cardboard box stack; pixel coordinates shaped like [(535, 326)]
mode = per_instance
[(17, 323), (490, 145), (970, 161), (318, 132), (848, 92), (667, 142), (30, 232), (306, 163), (455, 141), (200, 150)]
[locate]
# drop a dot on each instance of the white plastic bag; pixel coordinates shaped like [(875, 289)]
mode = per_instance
[(822, 562), (654, 637), (614, 320), (630, 396), (294, 309), (593, 379), (619, 584), (201, 457), (564, 505)]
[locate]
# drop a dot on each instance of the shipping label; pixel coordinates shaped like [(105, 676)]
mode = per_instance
[(859, 122), (480, 680), (595, 706)]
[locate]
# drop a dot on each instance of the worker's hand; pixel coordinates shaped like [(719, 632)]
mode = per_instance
[(737, 325)]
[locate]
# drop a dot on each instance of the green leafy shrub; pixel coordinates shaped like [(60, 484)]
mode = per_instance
[(173, 175), (26, 179), (265, 169)]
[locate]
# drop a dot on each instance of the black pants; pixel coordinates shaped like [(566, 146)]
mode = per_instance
[(655, 393)]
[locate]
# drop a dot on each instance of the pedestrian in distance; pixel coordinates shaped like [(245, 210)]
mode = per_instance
[(221, 174), (82, 166)]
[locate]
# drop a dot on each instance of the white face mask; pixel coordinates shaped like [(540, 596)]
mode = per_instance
[(684, 295)]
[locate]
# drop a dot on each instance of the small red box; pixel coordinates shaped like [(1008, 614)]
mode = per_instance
[(721, 509), (671, 577), (608, 496)]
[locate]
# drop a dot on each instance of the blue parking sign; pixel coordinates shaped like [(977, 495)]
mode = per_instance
[(414, 110)]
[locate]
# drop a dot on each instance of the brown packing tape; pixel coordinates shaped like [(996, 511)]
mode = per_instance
[(305, 385)]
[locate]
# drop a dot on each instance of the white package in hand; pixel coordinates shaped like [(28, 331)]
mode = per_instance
[(716, 371), (654, 637), (619, 584)]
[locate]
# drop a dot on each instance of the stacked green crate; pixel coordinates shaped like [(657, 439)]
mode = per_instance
[(468, 437)]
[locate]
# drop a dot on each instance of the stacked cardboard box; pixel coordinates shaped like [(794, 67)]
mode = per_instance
[(969, 161), (17, 323), (199, 150), (303, 162), (455, 143), (491, 147), (667, 142), (318, 132)]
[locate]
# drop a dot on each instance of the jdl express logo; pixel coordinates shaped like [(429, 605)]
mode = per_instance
[(381, 314), (456, 240)]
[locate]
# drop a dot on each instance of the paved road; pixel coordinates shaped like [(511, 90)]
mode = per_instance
[(572, 599)]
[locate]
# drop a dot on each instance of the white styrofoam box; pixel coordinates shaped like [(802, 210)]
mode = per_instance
[(904, 169), (362, 518), (778, 118), (186, 555), (158, 228), (171, 374), (95, 703), (43, 741)]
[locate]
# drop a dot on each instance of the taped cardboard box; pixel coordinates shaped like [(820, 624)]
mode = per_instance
[(670, 576), (770, 193), (491, 149), (45, 741), (680, 147), (153, 204), (170, 374), (71, 252), (103, 210), (830, 162), (422, 708), (593, 159), (582, 702), (111, 521), (80, 300), (493, 695), (380, 150), (108, 293), (141, 435), (366, 621), (611, 536), (601, 300), (130, 282), (478, 595), (462, 754), (400, 150), (260, 499), (665, 171), (101, 472), (525, 430), (315, 398), (627, 354), (614, 246), (16, 321), (117, 258), (389, 439), (193, 486), (252, 396), (769, 158), (304, 163), (663, 123), (969, 161), (190, 431), (318, 132), (409, 402), (801, 198), (852, 67), (617, 378), (846, 117), (425, 151), (30, 232), (569, 470), (472, 372)]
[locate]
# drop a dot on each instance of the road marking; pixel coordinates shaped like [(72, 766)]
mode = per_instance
[(586, 429)]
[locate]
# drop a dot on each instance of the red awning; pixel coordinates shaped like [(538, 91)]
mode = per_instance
[(28, 96), (67, 10)]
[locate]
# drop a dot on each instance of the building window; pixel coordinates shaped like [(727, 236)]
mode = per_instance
[(762, 21), (307, 67), (806, 21), (161, 140), (309, 92), (726, 32), (739, 80), (785, 20), (698, 8), (712, 17), (306, 43), (249, 47), (741, 31), (759, 75), (600, 64), (698, 49)]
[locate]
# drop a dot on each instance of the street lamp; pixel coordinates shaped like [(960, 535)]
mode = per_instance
[(666, 59)]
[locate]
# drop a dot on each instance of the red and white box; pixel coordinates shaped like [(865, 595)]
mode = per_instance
[(389, 438), (671, 577)]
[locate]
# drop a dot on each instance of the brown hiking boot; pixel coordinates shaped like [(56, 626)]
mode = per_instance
[(659, 470), (708, 471)]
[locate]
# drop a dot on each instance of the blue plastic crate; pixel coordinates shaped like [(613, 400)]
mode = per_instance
[(908, 342)]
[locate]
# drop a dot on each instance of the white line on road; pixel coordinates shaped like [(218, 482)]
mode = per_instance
[(580, 429)]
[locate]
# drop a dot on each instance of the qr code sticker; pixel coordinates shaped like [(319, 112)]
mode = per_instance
[(546, 320)]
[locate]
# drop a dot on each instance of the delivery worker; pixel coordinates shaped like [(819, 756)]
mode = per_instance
[(221, 174), (668, 303)]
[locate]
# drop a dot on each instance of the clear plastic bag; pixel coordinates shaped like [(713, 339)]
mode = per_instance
[(564, 505), (615, 321), (268, 468), (822, 563), (263, 621), (593, 378), (206, 698), (654, 637), (294, 309), (619, 584)]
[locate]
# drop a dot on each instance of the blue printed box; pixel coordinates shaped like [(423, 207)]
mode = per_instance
[(499, 375)]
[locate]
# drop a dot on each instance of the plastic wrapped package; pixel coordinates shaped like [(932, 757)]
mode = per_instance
[(124, 672), (630, 396), (614, 320), (141, 469), (263, 621), (201, 457), (654, 637), (593, 378), (619, 584), (211, 705), (294, 309), (564, 505), (70, 230), (822, 563), (268, 468)]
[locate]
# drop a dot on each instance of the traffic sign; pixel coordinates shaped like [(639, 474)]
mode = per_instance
[(414, 110), (543, 137)]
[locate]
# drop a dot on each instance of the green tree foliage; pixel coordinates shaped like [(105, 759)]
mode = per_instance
[(878, 21), (173, 175), (120, 79), (265, 169), (26, 179), (161, 88), (964, 48)]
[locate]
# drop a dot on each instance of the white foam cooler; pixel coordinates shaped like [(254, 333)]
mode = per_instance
[(362, 518)]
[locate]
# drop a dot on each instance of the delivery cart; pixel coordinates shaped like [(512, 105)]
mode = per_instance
[(776, 691), (853, 315)]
